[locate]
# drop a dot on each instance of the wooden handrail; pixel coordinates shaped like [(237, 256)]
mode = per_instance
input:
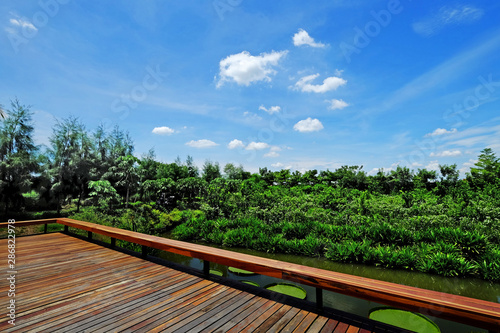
[(475, 312)]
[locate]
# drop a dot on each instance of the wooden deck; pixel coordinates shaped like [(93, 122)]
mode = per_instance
[(66, 284)]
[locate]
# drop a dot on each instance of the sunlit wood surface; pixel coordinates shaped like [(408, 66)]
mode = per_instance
[(65, 284), (466, 310)]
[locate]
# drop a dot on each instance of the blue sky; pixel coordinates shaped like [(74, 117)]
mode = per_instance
[(281, 84)]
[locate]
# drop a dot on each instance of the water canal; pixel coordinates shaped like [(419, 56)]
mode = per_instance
[(474, 288)]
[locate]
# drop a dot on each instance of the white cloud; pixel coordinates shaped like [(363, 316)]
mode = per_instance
[(272, 154), (441, 131), (475, 140), (308, 125), (257, 146), (303, 38), (433, 165), (446, 16), (470, 163), (23, 24), (337, 104), (244, 68), (273, 151), (250, 116), (235, 144), (271, 110), (374, 171), (163, 130), (478, 136), (277, 165), (203, 143), (446, 153), (466, 166), (330, 83)]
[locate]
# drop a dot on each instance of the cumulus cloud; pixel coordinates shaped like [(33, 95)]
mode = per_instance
[(250, 116), (433, 165), (303, 38), (308, 125), (163, 130), (273, 151), (330, 83), (337, 104), (257, 146), (446, 153), (235, 144), (466, 166), (277, 165), (272, 154), (446, 16), (441, 131), (244, 68), (271, 110), (203, 143)]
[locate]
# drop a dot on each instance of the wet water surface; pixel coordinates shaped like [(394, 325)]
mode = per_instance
[(474, 288)]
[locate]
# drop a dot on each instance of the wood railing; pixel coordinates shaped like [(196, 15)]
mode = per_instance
[(474, 312)]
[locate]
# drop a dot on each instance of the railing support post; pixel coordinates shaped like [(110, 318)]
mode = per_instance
[(66, 229), (144, 251), (113, 242), (206, 268), (89, 235), (319, 298), (45, 227)]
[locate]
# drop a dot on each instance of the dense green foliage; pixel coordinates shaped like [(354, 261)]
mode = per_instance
[(424, 220), (445, 235)]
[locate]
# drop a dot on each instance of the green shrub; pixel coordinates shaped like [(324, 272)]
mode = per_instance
[(241, 237), (267, 242), (350, 251), (296, 230), (184, 232), (489, 265), (446, 264)]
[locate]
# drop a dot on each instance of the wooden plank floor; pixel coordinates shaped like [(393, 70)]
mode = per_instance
[(65, 284)]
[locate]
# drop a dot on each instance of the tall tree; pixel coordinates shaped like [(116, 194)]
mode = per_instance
[(402, 179), (235, 172), (71, 160), (486, 170), (120, 143), (17, 155), (211, 171), (101, 153), (192, 169), (148, 166), (125, 175), (425, 178)]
